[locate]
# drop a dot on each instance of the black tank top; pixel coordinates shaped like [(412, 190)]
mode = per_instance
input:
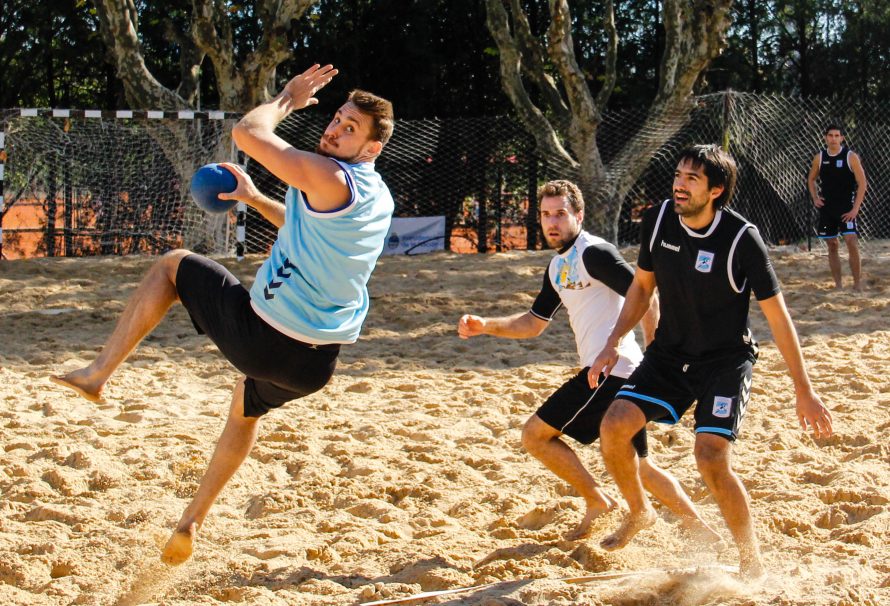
[(836, 178)]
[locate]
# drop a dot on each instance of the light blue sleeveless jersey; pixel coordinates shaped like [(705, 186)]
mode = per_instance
[(313, 286)]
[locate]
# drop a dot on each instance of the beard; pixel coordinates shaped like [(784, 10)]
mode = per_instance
[(690, 208), (336, 156)]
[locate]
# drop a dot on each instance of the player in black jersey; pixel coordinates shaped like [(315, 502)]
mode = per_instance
[(705, 261), (842, 186), (587, 276)]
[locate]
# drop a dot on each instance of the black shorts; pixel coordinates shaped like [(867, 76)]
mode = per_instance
[(830, 224), (577, 410), (278, 368), (664, 389)]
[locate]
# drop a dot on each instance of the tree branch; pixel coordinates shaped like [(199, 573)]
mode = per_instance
[(190, 59), (118, 22), (534, 59), (611, 70), (511, 80)]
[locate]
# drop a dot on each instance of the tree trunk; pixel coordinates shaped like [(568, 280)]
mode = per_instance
[(694, 34)]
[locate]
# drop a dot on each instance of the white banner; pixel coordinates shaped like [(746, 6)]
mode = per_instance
[(415, 235)]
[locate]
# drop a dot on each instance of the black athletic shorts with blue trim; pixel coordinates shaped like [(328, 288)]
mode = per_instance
[(831, 225), (664, 388), (278, 368), (577, 410)]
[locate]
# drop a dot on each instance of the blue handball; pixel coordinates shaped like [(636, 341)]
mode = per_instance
[(208, 182)]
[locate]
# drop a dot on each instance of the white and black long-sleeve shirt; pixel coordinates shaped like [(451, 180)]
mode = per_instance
[(590, 278)]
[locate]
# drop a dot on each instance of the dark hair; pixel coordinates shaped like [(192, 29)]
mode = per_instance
[(561, 187), (833, 127), (719, 168), (380, 111)]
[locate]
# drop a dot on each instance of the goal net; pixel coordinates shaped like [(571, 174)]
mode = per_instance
[(84, 183), (89, 182)]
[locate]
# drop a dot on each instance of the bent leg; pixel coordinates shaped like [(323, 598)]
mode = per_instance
[(834, 261), (713, 457), (543, 442), (621, 423), (233, 446), (668, 491), (855, 261), (145, 309)]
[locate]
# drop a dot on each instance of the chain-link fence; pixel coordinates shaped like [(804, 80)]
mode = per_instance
[(80, 183)]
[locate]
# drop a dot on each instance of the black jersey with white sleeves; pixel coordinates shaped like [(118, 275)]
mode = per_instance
[(705, 279)]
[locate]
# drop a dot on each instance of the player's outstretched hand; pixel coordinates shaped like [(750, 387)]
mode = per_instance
[(604, 363), (246, 191), (302, 88), (812, 413), (470, 326)]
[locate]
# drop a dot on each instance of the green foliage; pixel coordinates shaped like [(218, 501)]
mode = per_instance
[(436, 58)]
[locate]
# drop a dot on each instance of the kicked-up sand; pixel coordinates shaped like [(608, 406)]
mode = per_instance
[(406, 474)]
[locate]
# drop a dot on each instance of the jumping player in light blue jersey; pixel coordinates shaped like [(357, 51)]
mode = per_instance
[(309, 297)]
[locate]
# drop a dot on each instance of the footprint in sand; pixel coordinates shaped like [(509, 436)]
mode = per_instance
[(537, 518)]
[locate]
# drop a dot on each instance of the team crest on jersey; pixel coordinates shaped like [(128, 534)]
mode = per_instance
[(839, 163), (567, 272), (704, 262), (722, 407)]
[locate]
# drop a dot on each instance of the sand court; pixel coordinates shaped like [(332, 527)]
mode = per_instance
[(406, 474)]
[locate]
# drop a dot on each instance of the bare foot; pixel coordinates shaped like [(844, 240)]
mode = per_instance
[(80, 382), (180, 546), (699, 532), (594, 510), (751, 568), (632, 524)]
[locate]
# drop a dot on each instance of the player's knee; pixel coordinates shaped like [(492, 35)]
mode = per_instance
[(534, 433), (175, 256), (622, 421), (711, 458), (169, 261)]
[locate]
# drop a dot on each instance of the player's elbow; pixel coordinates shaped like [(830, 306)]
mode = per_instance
[(240, 135)]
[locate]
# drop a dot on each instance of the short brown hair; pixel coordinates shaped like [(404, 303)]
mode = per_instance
[(718, 166), (561, 187), (380, 111)]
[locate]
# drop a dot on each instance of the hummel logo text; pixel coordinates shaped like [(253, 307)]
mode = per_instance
[(672, 247)]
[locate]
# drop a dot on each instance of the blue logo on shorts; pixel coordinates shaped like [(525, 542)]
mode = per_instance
[(722, 407), (705, 261)]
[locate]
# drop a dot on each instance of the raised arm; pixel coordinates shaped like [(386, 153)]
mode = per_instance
[(810, 410), (519, 326), (320, 178), (811, 181)]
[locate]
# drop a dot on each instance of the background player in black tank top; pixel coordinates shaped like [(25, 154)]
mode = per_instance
[(842, 186), (670, 379)]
